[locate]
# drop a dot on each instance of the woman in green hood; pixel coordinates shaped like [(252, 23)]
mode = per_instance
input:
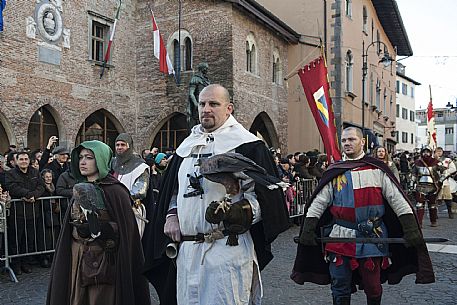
[(99, 257)]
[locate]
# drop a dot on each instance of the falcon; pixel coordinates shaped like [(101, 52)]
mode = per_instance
[(85, 195), (229, 168)]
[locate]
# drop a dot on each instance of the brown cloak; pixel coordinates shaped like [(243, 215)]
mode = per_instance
[(131, 286)]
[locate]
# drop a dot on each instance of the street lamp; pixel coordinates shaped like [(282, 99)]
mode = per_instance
[(386, 60)]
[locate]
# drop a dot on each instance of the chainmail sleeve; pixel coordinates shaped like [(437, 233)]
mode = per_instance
[(140, 187)]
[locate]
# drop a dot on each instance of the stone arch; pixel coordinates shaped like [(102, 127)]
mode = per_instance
[(263, 127), (6, 132), (170, 131), (44, 123), (100, 125)]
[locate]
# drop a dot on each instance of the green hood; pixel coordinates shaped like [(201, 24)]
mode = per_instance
[(103, 155)]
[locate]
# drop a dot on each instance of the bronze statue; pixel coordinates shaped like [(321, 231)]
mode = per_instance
[(198, 81)]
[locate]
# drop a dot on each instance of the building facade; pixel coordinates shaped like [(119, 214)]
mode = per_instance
[(405, 111), (445, 125), (353, 32), (51, 60)]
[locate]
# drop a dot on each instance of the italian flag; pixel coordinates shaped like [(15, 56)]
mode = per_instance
[(160, 52)]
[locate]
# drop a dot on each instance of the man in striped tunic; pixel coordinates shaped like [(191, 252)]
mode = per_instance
[(362, 199)]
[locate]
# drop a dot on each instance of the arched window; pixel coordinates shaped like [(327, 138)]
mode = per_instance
[(251, 54), (175, 49), (349, 8), (365, 19), (349, 71), (248, 57), (378, 94), (176, 53), (277, 67), (378, 43), (371, 88), (172, 133), (98, 126), (41, 127), (384, 109), (188, 54)]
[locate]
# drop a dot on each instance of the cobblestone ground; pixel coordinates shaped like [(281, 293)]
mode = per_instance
[(280, 290)]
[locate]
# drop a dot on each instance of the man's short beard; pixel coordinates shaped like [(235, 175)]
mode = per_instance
[(208, 125)]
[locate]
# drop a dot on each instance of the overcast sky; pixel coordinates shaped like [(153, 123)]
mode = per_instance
[(432, 30)]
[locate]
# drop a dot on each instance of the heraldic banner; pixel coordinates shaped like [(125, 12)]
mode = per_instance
[(315, 84)]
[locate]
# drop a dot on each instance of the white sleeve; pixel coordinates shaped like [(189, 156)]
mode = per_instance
[(322, 200), (394, 197)]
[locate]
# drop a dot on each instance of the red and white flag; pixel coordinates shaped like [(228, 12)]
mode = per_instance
[(431, 132), (160, 52)]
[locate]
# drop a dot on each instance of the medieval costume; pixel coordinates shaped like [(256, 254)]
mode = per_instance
[(102, 269), (445, 194), (133, 172), (360, 198), (214, 272), (426, 174)]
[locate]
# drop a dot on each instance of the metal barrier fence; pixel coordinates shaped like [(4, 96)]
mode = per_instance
[(29, 229), (301, 191)]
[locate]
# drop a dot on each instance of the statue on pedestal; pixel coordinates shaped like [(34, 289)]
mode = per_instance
[(198, 81)]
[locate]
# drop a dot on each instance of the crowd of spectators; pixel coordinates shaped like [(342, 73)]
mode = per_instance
[(31, 177)]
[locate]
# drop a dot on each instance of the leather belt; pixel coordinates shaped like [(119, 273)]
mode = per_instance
[(200, 237)]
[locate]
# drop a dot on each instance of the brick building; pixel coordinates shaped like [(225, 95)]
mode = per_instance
[(51, 53)]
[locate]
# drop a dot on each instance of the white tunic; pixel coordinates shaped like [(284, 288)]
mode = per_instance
[(213, 273)]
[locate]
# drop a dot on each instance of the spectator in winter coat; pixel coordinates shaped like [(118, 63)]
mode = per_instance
[(23, 182)]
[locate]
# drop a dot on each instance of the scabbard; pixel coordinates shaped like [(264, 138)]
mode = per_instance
[(374, 240)]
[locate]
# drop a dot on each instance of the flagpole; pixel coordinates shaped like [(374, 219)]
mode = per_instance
[(108, 50), (178, 73)]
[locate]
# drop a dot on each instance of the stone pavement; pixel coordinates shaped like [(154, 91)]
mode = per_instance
[(280, 290)]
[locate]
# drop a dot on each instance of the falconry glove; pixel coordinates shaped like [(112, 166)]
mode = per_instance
[(411, 231), (237, 217), (308, 234)]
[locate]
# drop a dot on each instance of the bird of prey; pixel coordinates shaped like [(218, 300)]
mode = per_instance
[(85, 195), (229, 168)]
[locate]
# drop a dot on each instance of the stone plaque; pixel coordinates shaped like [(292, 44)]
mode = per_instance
[(49, 56)]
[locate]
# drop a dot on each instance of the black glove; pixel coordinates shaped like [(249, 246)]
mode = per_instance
[(411, 231), (82, 229), (308, 234)]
